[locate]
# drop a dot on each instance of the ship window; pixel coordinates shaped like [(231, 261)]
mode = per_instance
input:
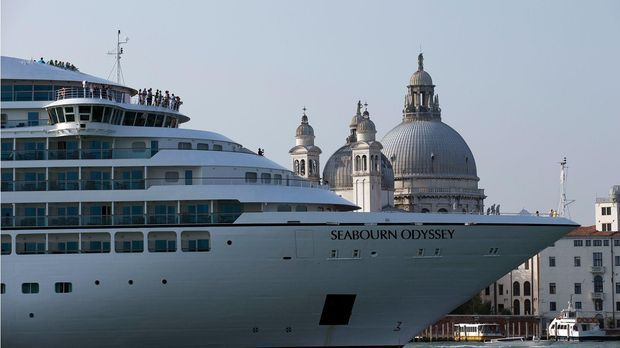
[(172, 176), (138, 146), (420, 252), (23, 92), (162, 242), (63, 287), (140, 119), (277, 179), (185, 146), (189, 177), (251, 177), (150, 120), (107, 114), (195, 241), (52, 114), (97, 113), (356, 253), (333, 254), (578, 305), (265, 178), (30, 244), (202, 146), (30, 288), (217, 147), (33, 119), (284, 208), (128, 242), (63, 243), (159, 120), (95, 242), (130, 119), (301, 208), (6, 244), (7, 92)]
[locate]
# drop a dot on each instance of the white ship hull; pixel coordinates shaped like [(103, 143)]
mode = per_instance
[(268, 287)]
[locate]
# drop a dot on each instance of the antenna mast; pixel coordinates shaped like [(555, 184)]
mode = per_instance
[(563, 206), (118, 53)]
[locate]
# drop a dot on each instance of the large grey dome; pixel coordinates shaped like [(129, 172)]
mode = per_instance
[(338, 171), (423, 148)]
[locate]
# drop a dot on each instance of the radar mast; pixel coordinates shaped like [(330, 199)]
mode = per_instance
[(563, 205), (117, 64)]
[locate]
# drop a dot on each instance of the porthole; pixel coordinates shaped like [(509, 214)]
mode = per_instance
[(97, 282), (229, 242), (130, 282), (164, 281), (254, 329), (373, 253), (31, 315), (288, 329)]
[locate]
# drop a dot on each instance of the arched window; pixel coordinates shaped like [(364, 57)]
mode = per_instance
[(516, 307), (424, 210), (527, 289), (357, 163), (364, 164), (296, 167), (302, 167), (442, 210), (516, 289), (376, 163), (598, 284), (312, 169), (527, 306)]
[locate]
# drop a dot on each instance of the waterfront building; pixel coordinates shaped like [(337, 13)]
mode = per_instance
[(583, 268), (516, 292)]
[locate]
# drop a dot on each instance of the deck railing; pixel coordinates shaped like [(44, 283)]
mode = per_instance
[(109, 94)]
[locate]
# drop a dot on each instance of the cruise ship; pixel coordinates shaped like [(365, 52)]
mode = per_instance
[(120, 228)]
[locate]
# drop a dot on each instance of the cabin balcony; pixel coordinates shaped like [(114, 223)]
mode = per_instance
[(597, 295), (597, 269)]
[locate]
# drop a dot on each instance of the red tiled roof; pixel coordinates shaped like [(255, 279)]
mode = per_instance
[(590, 231)]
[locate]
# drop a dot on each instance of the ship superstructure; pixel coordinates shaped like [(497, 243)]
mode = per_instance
[(121, 229)]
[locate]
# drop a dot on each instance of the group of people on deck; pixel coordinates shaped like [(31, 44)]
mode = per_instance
[(59, 64), (159, 98)]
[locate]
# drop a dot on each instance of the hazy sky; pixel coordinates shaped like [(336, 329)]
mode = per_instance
[(524, 82)]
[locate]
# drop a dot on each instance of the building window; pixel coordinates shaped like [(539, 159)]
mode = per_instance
[(500, 307), (577, 288), (552, 306), (551, 261), (618, 306), (552, 288), (597, 259), (527, 307), (63, 287), (597, 242), (500, 289), (606, 210), (578, 305), (527, 264), (487, 291), (616, 260), (606, 242), (527, 289), (598, 284), (617, 288), (607, 227), (578, 243), (516, 307), (598, 305), (588, 242), (516, 289), (616, 242), (30, 288), (577, 261)]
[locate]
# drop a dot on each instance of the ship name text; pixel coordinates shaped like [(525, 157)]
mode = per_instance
[(392, 234)]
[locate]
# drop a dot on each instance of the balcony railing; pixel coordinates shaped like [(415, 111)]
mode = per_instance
[(141, 184), (112, 95), (597, 295), (597, 269), (119, 219)]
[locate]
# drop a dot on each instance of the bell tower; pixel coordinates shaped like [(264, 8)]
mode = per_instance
[(421, 102), (366, 159), (304, 155)]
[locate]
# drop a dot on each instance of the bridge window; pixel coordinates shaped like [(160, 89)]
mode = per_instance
[(265, 178), (162, 241), (202, 146), (185, 146), (95, 242), (251, 177), (30, 288), (195, 241), (63, 287), (128, 242), (30, 243), (130, 119), (277, 179), (217, 147)]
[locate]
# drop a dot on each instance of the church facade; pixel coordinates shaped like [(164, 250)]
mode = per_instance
[(421, 165)]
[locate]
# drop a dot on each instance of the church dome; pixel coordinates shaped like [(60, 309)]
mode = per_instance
[(304, 128), (421, 78), (338, 171), (428, 148)]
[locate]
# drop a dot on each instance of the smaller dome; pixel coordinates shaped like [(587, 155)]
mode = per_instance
[(356, 120), (304, 128), (366, 126), (421, 78)]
